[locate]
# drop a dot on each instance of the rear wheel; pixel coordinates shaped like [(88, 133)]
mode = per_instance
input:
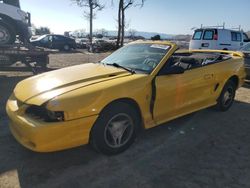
[(66, 47), (115, 129), (227, 95), (7, 34)]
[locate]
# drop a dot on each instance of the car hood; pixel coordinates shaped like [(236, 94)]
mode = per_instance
[(41, 88)]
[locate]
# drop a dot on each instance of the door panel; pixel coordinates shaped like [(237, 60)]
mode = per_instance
[(183, 93)]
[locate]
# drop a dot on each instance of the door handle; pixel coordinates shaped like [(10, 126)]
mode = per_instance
[(208, 76)]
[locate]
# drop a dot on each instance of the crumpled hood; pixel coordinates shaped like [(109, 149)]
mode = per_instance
[(51, 84)]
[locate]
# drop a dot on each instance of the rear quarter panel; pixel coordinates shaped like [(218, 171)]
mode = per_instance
[(223, 71)]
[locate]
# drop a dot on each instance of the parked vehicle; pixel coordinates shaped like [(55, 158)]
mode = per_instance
[(55, 42), (218, 39), (13, 22), (246, 50), (103, 46), (81, 42), (141, 85)]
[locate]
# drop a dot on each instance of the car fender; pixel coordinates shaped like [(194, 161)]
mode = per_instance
[(89, 101)]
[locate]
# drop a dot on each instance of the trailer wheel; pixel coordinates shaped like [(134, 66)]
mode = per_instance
[(7, 34)]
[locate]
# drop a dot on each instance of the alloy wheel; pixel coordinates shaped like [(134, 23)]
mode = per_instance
[(118, 130)]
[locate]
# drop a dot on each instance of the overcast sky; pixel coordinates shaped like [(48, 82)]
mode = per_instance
[(163, 16)]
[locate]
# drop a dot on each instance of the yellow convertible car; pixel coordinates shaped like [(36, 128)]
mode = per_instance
[(140, 86)]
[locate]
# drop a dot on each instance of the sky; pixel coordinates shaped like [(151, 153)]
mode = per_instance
[(162, 16)]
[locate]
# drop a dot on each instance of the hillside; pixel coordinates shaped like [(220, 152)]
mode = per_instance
[(146, 35)]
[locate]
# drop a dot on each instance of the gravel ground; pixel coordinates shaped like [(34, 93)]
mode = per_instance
[(205, 149)]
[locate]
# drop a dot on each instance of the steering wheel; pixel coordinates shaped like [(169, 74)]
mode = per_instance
[(152, 63)]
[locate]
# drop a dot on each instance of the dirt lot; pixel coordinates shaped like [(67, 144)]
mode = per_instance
[(204, 149)]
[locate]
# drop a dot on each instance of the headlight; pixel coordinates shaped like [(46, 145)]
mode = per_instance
[(55, 116), (41, 113)]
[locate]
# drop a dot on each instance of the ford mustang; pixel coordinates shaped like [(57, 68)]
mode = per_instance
[(106, 104)]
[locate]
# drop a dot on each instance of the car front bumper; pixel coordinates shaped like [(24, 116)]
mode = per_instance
[(42, 136)]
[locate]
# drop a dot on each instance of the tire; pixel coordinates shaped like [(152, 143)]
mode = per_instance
[(227, 96), (66, 47), (7, 34), (110, 138)]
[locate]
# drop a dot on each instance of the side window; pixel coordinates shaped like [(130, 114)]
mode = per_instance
[(197, 35), (56, 38), (45, 40), (59, 38), (239, 37), (236, 36), (245, 37), (50, 38), (208, 35)]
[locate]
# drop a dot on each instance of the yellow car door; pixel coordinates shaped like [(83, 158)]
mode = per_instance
[(179, 94)]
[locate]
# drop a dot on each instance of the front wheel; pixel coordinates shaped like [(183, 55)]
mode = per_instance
[(115, 129), (227, 96), (7, 34)]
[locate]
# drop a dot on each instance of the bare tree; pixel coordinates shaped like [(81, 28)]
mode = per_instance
[(92, 5), (42, 31), (123, 6), (132, 33), (103, 32)]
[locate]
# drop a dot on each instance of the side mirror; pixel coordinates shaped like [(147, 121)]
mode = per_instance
[(172, 70)]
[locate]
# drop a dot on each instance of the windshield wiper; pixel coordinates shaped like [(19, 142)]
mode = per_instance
[(120, 66)]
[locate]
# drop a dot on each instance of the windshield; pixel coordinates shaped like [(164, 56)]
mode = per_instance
[(138, 57), (246, 48)]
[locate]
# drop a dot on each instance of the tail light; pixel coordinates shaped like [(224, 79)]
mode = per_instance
[(215, 37)]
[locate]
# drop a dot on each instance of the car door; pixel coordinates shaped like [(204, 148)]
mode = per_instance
[(56, 42), (179, 94)]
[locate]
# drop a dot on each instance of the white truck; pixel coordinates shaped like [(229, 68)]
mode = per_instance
[(218, 38), (13, 22)]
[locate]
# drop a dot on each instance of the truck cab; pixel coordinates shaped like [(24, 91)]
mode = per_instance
[(13, 22)]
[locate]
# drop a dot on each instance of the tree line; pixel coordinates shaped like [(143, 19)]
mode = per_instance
[(90, 8)]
